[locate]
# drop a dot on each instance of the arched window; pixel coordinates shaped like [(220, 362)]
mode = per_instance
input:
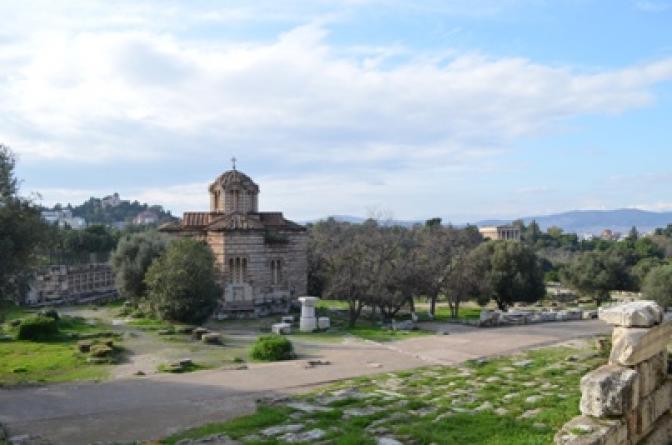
[(276, 272), (235, 200), (237, 270)]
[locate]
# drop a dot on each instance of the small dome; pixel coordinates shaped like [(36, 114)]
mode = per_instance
[(234, 177)]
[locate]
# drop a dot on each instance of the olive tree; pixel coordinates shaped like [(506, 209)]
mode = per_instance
[(181, 283), (595, 274), (130, 261), (22, 232), (658, 285), (511, 272)]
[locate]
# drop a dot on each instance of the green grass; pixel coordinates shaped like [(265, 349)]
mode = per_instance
[(149, 324), (465, 313), (332, 304), (381, 334), (363, 329), (33, 362), (435, 404), (56, 359), (236, 428)]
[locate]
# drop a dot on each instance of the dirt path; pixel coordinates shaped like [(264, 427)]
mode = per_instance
[(154, 406)]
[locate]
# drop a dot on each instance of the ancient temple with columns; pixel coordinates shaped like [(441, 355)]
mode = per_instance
[(260, 256)]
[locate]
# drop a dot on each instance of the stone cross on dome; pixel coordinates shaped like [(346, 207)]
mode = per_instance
[(233, 162)]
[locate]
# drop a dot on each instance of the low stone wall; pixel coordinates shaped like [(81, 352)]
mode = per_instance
[(77, 284), (499, 318), (629, 400)]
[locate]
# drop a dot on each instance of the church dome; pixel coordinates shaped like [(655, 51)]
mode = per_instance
[(234, 178)]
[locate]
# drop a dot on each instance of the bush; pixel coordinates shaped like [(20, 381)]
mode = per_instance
[(38, 328), (272, 348)]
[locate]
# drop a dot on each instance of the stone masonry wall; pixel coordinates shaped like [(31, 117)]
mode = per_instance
[(629, 400)]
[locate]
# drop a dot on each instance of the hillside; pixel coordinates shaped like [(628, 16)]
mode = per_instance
[(595, 221), (95, 212)]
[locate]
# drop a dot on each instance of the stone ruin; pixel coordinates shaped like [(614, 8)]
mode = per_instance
[(629, 400), (490, 318)]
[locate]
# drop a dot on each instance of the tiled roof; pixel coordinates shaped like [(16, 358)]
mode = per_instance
[(233, 221), (196, 219), (237, 221)]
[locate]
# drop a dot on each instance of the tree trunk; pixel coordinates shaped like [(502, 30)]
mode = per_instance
[(432, 305), (354, 309), (501, 305)]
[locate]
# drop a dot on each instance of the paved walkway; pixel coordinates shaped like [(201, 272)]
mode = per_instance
[(151, 407)]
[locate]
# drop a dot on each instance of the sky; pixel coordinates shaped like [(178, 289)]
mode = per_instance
[(465, 110)]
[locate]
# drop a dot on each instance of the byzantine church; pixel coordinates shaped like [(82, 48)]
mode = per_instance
[(261, 257)]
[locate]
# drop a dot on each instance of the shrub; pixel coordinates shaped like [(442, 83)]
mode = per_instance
[(272, 347), (37, 328)]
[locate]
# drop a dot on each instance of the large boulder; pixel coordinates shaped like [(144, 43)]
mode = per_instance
[(212, 338), (609, 391), (631, 346), (585, 430), (639, 314)]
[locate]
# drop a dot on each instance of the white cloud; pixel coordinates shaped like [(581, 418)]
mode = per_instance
[(99, 84), (95, 96)]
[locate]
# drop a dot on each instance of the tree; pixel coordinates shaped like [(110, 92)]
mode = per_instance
[(463, 279), (130, 261), (640, 270), (658, 285), (22, 232), (515, 275), (336, 262), (181, 283), (511, 272), (594, 274), (437, 247)]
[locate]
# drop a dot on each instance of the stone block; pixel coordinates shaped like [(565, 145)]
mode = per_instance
[(281, 328), (287, 319), (584, 430), (641, 314), (307, 324), (609, 391), (211, 338), (652, 373), (197, 333), (323, 323), (651, 408), (631, 346), (661, 433)]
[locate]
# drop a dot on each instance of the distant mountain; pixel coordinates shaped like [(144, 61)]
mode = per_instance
[(595, 221), (576, 221)]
